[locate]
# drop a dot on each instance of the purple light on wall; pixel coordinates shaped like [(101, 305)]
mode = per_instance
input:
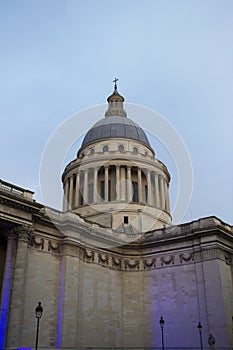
[(60, 307), (6, 292)]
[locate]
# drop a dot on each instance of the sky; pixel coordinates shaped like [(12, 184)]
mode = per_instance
[(174, 57)]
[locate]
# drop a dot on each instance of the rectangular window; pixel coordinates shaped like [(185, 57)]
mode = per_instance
[(135, 192), (126, 219)]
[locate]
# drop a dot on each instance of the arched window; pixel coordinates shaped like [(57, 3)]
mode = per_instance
[(105, 148), (135, 150)]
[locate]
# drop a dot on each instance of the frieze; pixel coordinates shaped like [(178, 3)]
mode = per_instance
[(167, 260), (116, 262), (103, 258), (54, 247), (149, 263), (186, 257), (88, 254), (132, 265), (38, 242), (228, 259)]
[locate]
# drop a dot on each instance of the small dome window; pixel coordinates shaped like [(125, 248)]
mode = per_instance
[(105, 148), (121, 148), (92, 151), (135, 150)]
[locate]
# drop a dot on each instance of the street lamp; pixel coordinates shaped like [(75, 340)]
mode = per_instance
[(162, 322), (39, 312), (199, 326)]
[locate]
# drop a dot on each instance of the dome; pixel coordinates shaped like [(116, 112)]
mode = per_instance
[(115, 126)]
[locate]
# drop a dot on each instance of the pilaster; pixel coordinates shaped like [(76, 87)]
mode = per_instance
[(24, 235), (7, 286)]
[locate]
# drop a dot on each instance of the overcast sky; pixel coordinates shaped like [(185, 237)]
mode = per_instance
[(174, 57)]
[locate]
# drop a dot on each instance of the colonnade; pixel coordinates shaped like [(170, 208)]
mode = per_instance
[(152, 188)]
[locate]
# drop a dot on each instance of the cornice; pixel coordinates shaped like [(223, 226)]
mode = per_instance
[(18, 202)]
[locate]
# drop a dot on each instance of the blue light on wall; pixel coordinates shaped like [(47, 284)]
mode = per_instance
[(6, 293), (60, 307)]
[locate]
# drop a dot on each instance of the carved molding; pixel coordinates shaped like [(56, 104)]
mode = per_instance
[(149, 263), (186, 257), (24, 233), (103, 258), (167, 260), (38, 243), (228, 259), (116, 262), (54, 247), (132, 265), (88, 254)]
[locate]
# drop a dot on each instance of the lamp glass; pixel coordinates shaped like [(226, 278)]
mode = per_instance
[(39, 310)]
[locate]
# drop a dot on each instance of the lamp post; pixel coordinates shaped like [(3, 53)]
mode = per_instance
[(199, 326), (39, 312), (162, 322)]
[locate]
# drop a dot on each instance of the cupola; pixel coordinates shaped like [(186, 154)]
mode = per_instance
[(116, 181)]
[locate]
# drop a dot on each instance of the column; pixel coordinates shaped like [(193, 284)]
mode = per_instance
[(118, 183), (122, 182), (15, 324), (77, 189), (106, 183), (95, 184), (161, 191), (129, 185), (157, 197), (140, 185), (65, 197), (167, 201), (71, 192), (85, 187), (7, 285), (148, 178)]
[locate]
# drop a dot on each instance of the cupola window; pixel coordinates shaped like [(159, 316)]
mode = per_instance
[(121, 148), (105, 148), (135, 150)]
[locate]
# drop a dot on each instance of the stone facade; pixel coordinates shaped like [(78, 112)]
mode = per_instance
[(109, 289), (109, 265)]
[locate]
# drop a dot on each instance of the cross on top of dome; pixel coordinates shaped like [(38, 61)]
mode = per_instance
[(115, 103), (115, 81)]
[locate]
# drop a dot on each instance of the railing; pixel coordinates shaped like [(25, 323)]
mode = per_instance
[(16, 190)]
